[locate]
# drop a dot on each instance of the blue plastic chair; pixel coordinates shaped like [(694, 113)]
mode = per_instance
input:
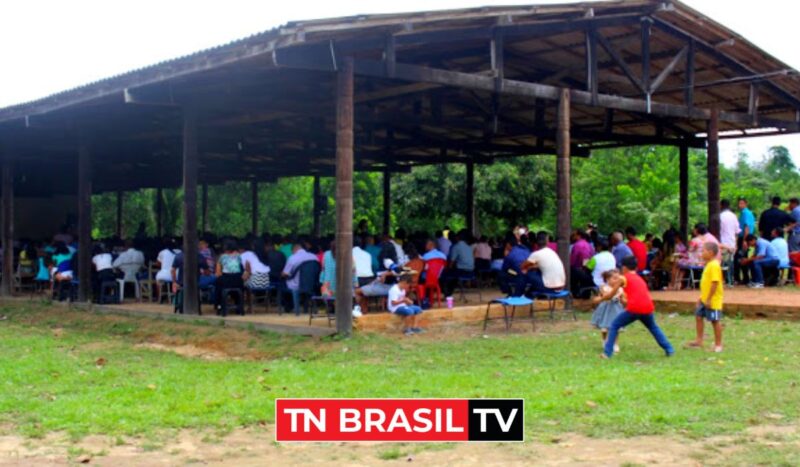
[(551, 298), (513, 303)]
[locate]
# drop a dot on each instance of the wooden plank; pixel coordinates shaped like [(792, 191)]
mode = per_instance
[(563, 183), (344, 197), (591, 64), (689, 76), (726, 60), (713, 174), (683, 158), (84, 221), (647, 24), (668, 70), (6, 285), (191, 291), (620, 61), (752, 104)]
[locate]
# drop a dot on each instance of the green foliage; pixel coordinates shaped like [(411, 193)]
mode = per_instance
[(614, 188)]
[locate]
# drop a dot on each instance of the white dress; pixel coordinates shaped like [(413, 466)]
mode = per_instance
[(166, 257)]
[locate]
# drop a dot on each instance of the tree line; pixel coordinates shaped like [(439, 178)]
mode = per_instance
[(613, 188)]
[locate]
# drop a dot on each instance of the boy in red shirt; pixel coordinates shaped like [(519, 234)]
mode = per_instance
[(638, 307)]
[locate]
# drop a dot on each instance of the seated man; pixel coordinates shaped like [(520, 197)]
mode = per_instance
[(765, 256), (292, 284), (462, 262), (432, 252), (544, 270), (781, 247), (362, 261), (379, 287), (510, 278), (205, 279), (130, 261)]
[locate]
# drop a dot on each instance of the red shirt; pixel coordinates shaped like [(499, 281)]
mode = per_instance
[(639, 250), (639, 300)]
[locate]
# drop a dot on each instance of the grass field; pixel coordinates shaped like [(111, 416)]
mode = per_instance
[(83, 373)]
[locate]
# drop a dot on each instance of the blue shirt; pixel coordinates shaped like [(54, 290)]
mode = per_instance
[(461, 254), (620, 251), (765, 248), (292, 263), (434, 254), (796, 217), (374, 251), (781, 251), (515, 258), (747, 219)]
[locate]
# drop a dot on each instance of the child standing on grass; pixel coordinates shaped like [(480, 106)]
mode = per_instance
[(639, 307), (401, 305), (607, 311), (709, 306)]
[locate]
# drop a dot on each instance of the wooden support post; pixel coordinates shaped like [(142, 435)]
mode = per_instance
[(470, 189), (344, 198), (591, 63), (84, 222), (713, 173), (316, 208), (647, 24), (7, 282), (204, 207), (563, 190), (684, 190), (689, 91), (254, 207), (120, 196), (387, 201), (159, 212), (190, 273)]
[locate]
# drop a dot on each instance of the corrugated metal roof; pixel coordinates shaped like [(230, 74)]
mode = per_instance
[(298, 31)]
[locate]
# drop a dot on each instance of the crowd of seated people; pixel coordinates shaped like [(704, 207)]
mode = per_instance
[(294, 268)]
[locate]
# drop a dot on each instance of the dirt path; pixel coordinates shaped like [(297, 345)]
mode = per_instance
[(256, 447)]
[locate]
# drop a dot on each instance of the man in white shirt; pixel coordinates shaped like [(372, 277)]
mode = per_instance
[(363, 263), (129, 261), (544, 269), (728, 226)]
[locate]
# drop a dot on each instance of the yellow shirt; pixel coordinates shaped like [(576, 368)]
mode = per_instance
[(712, 273)]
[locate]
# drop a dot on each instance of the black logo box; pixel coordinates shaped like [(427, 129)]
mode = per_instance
[(494, 431)]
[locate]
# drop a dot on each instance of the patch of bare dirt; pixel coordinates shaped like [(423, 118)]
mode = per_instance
[(255, 447), (186, 350)]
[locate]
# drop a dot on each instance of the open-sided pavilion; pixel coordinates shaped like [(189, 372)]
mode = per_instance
[(390, 92)]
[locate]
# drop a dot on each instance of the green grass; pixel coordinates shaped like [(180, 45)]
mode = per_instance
[(49, 379)]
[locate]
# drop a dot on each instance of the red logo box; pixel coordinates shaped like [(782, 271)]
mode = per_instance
[(386, 420)]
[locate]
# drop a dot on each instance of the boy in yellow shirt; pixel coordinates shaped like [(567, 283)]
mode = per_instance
[(709, 306)]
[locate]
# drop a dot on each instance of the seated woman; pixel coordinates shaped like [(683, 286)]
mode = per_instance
[(61, 255), (165, 258), (255, 260), (229, 273), (103, 271), (63, 273), (327, 277), (682, 258)]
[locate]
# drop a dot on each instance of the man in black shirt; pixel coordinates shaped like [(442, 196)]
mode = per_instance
[(774, 218)]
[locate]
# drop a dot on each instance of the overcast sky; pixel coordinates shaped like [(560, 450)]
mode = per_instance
[(53, 45)]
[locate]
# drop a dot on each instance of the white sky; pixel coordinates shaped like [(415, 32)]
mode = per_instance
[(53, 45)]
